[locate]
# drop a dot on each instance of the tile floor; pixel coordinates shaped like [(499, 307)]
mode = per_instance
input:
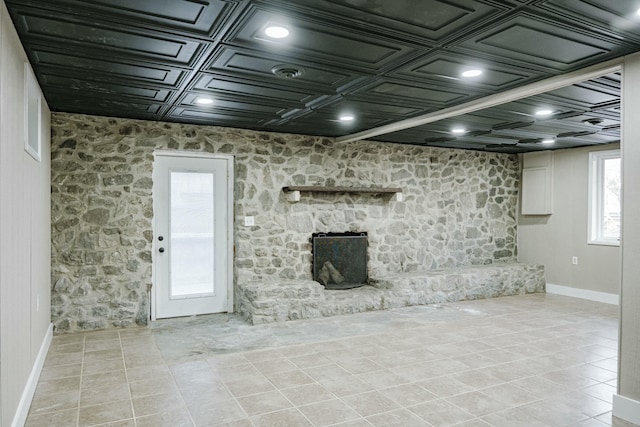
[(535, 360)]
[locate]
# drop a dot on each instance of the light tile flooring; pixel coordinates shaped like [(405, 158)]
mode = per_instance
[(536, 360)]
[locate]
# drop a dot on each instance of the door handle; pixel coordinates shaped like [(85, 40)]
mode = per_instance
[(161, 250)]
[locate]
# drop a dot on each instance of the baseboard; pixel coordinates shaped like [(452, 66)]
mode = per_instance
[(30, 389), (627, 409), (583, 294)]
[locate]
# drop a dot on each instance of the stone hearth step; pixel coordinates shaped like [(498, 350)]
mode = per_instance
[(276, 301)]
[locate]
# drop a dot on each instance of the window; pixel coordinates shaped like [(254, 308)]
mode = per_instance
[(32, 114), (604, 197)]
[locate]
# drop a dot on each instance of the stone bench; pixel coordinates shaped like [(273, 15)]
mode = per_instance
[(265, 302)]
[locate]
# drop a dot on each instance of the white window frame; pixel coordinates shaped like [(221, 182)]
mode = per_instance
[(32, 114), (596, 197)]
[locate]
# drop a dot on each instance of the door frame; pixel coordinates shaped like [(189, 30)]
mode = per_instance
[(229, 224)]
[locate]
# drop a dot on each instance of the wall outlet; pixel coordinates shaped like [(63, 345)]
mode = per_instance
[(574, 260), (249, 221)]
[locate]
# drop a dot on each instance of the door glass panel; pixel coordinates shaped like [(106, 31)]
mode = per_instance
[(191, 234)]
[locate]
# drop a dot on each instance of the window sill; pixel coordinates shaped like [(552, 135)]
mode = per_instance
[(603, 243)]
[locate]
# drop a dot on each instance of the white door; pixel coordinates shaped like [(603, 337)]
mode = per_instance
[(192, 201)]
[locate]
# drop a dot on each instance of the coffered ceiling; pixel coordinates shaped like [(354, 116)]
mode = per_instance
[(379, 61)]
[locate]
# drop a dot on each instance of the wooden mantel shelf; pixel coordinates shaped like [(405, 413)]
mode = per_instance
[(293, 192), (324, 189)]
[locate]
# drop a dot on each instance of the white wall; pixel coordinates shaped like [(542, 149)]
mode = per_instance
[(627, 403), (554, 239), (24, 237)]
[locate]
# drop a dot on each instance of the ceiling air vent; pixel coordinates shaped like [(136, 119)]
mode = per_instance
[(287, 71), (593, 122)]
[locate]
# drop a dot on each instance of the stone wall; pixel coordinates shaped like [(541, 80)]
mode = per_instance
[(459, 208)]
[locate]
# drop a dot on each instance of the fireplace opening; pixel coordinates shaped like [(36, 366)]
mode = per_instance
[(340, 259)]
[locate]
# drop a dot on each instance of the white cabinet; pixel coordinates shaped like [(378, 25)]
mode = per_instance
[(537, 180)]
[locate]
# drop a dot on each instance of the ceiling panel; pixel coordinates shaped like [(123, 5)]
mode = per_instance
[(249, 107), (326, 123), (195, 16), (129, 107), (262, 92), (533, 40), (203, 18), (150, 45), (576, 119), (445, 68), (414, 93), (93, 89), (105, 69), (617, 17), (431, 21), (311, 38), (362, 108), (267, 67), (252, 116), (223, 118), (381, 61), (582, 95)]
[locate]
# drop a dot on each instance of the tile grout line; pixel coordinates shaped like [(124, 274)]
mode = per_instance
[(235, 398), (276, 388), (193, 421), (84, 346), (126, 378)]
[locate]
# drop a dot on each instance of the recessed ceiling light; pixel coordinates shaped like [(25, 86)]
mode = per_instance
[(638, 12), (276, 32), (548, 141), (471, 73), (543, 113), (458, 131), (204, 101), (346, 118)]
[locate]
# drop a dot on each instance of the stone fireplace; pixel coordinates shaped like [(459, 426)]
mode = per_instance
[(340, 259), (458, 210)]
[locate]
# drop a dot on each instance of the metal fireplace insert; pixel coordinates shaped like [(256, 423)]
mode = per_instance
[(340, 259)]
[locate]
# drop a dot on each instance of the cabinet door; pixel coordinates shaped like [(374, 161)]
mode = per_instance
[(536, 191)]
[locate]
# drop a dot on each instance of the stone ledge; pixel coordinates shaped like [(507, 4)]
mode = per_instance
[(265, 302)]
